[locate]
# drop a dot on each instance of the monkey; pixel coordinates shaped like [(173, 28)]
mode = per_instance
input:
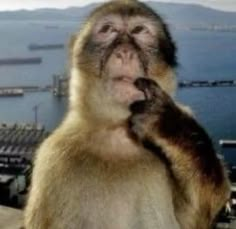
[(127, 155)]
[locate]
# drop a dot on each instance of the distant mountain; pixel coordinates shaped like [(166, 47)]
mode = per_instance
[(183, 14), (193, 14)]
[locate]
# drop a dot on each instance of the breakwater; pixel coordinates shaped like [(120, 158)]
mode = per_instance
[(20, 90), (207, 83)]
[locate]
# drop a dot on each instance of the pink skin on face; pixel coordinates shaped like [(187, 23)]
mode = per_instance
[(123, 66)]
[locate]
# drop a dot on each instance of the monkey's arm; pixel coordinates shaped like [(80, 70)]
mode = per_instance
[(199, 180)]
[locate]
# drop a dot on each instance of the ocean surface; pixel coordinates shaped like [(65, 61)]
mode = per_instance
[(203, 55)]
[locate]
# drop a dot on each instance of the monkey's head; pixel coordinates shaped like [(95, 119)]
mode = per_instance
[(121, 41)]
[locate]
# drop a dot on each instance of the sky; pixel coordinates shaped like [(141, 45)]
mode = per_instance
[(226, 5)]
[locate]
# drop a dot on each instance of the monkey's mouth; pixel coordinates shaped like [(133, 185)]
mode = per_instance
[(125, 79), (123, 89)]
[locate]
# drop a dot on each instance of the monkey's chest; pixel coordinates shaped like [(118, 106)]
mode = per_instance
[(126, 200)]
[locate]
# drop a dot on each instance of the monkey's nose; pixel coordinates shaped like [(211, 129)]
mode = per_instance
[(125, 54)]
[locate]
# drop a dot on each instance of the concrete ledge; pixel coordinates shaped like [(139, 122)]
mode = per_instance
[(10, 218)]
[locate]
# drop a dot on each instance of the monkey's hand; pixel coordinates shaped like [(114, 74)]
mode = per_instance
[(160, 123), (154, 114), (175, 136)]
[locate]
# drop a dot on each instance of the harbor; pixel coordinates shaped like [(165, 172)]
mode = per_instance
[(59, 87)]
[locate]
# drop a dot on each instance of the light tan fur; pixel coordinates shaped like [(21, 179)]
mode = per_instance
[(91, 174)]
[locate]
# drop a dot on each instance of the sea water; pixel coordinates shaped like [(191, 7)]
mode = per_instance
[(202, 55)]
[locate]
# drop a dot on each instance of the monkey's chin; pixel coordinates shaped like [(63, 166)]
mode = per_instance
[(124, 92)]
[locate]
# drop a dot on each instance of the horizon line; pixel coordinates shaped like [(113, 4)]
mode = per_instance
[(82, 6)]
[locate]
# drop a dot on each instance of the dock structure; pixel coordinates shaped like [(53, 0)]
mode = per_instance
[(228, 217), (11, 92), (227, 143), (17, 149), (207, 83), (60, 85)]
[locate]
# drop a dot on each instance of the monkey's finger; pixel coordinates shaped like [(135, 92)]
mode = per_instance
[(146, 106), (149, 87), (153, 91), (139, 107)]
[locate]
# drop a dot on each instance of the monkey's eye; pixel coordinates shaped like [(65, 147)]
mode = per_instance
[(143, 33), (137, 29), (106, 28)]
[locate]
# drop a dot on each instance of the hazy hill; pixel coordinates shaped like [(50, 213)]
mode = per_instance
[(186, 14)]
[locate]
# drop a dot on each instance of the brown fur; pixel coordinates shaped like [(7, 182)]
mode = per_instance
[(107, 167)]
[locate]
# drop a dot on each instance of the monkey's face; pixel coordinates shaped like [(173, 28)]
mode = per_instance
[(125, 41), (126, 46)]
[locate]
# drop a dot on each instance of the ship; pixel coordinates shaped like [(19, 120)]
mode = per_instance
[(11, 92), (20, 61), (34, 47)]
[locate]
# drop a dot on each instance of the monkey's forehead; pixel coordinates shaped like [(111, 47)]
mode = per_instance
[(124, 8), (125, 21)]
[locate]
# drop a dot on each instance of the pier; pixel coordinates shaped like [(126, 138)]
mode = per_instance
[(60, 85), (11, 92), (228, 143), (207, 83)]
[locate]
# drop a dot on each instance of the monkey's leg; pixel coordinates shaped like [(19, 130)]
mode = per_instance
[(199, 180)]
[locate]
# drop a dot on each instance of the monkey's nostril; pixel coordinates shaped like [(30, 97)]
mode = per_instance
[(118, 55), (125, 53)]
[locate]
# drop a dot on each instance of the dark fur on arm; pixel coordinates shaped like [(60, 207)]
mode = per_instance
[(184, 146)]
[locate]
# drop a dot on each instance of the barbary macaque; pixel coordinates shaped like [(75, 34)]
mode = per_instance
[(127, 155)]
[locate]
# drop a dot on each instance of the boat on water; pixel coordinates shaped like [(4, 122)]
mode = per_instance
[(11, 92), (20, 61), (34, 47)]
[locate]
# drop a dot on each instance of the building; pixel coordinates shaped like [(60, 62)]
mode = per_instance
[(17, 149)]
